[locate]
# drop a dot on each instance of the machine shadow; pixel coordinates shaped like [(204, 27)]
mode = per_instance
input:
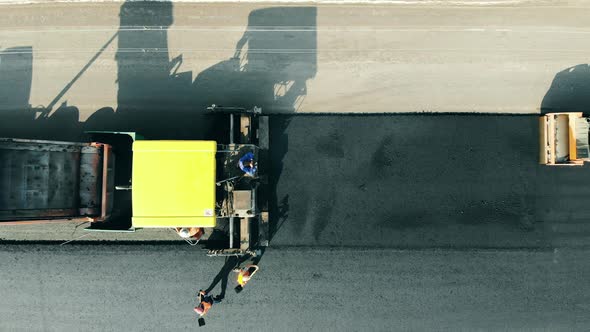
[(269, 68), (152, 97), (16, 72), (569, 91), (17, 117), (272, 62)]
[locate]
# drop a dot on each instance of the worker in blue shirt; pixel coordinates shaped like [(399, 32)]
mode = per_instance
[(247, 164)]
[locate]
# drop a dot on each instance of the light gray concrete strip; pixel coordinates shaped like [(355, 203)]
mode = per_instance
[(312, 59), (363, 2), (74, 232)]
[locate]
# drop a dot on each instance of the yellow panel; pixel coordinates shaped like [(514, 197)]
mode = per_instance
[(573, 151), (146, 222), (173, 183)]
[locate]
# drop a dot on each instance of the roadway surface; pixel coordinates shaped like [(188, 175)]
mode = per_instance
[(152, 288), (326, 58), (383, 181), (408, 181)]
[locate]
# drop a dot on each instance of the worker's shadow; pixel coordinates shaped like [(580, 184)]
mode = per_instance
[(231, 263)]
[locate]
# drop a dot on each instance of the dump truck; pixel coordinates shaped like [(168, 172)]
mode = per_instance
[(120, 181), (564, 139)]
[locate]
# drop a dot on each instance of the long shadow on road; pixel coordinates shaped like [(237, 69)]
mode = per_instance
[(569, 91)]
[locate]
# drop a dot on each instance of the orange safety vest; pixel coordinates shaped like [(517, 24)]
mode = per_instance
[(196, 232), (206, 305)]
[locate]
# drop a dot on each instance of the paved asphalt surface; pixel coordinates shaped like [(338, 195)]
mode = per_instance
[(415, 181), (423, 181), (366, 185), (152, 288)]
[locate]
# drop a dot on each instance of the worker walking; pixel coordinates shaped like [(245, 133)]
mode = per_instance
[(244, 275), (205, 304), (247, 164)]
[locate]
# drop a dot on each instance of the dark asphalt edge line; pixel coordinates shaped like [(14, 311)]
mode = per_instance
[(381, 114), (431, 248), (17, 243), (91, 242)]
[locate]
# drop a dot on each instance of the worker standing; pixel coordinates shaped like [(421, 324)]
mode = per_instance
[(247, 164), (244, 275), (192, 233)]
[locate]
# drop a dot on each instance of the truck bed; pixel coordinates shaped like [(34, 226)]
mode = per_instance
[(49, 179)]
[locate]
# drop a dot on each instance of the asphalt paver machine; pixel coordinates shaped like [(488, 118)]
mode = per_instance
[(119, 181)]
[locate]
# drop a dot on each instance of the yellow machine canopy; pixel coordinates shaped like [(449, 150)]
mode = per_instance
[(173, 183)]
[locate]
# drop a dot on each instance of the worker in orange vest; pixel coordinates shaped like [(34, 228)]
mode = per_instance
[(190, 233), (205, 303), (244, 275)]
